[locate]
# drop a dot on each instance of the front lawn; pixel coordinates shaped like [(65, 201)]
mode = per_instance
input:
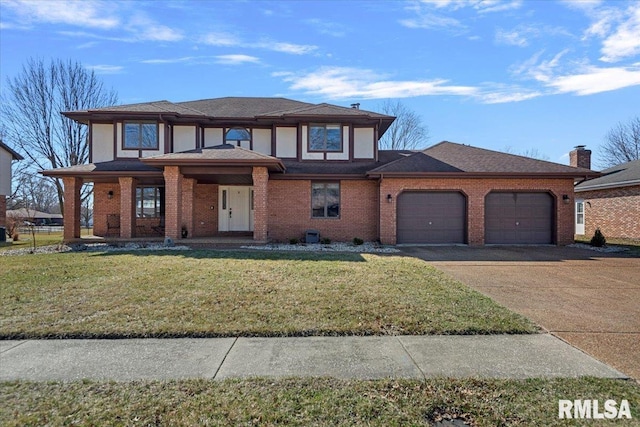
[(305, 402), (235, 293)]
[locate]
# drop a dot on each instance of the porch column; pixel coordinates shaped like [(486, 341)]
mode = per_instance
[(72, 186), (127, 206), (260, 177), (172, 201), (188, 190)]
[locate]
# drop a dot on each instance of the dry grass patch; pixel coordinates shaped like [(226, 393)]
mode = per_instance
[(229, 293), (304, 402)]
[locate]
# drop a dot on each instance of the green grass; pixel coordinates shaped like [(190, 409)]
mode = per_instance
[(42, 239), (227, 293), (304, 402)]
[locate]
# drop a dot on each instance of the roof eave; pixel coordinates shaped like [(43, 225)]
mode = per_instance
[(631, 183), (272, 165), (564, 175)]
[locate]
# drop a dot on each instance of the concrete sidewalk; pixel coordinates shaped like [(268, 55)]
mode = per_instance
[(419, 357)]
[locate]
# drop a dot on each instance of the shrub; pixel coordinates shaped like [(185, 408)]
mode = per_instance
[(294, 241), (15, 236), (357, 241), (598, 240), (325, 241)]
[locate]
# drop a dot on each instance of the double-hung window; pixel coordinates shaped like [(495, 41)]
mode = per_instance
[(325, 137), (325, 200), (140, 136)]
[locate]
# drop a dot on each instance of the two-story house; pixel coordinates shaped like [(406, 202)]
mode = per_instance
[(276, 167)]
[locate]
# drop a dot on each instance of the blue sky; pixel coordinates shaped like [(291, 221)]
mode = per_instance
[(544, 75)]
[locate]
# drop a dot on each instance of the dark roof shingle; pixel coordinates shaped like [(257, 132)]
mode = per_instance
[(621, 175)]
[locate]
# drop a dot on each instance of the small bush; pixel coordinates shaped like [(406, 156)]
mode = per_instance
[(357, 241), (15, 236), (598, 239), (294, 241), (325, 241)]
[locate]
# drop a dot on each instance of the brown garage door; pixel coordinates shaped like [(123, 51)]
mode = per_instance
[(431, 217), (518, 218)]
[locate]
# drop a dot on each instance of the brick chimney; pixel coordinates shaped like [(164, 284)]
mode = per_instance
[(580, 158)]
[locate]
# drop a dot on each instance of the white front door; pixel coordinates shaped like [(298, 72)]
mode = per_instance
[(579, 216), (235, 212)]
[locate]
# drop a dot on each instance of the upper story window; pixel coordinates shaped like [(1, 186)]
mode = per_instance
[(140, 136), (325, 137), (239, 137)]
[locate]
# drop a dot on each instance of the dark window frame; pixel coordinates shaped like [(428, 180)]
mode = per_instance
[(158, 199), (237, 142), (140, 147), (324, 149), (326, 207)]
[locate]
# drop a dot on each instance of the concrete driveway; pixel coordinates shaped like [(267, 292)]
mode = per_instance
[(590, 299)]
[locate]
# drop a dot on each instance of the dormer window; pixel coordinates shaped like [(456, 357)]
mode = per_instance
[(240, 137), (325, 137), (140, 136)]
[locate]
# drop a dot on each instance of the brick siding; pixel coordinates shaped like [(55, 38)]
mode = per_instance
[(290, 211), (615, 211), (103, 205), (475, 190), (71, 212), (205, 212)]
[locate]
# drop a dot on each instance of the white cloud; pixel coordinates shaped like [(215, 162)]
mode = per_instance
[(89, 13), (596, 80), (513, 95), (230, 40), (511, 37), (343, 82), (482, 6), (105, 69), (625, 40), (431, 20), (169, 60), (236, 59), (326, 27)]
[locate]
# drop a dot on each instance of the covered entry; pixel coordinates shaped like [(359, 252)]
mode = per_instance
[(431, 217), (519, 218)]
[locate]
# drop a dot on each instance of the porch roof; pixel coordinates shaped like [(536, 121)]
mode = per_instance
[(114, 168), (219, 155)]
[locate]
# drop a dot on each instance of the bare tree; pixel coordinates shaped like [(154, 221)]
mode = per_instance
[(407, 132), (31, 116), (33, 192), (622, 143)]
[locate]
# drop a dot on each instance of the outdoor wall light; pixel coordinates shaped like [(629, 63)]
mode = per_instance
[(110, 194), (389, 198), (565, 199)]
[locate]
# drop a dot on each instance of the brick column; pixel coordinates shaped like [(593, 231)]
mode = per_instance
[(188, 188), (475, 217), (388, 213), (260, 177), (173, 200), (127, 206), (72, 186)]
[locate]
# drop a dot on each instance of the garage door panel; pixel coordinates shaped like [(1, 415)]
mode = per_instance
[(519, 218), (431, 217)]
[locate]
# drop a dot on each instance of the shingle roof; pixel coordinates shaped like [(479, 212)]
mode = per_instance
[(127, 166), (15, 155), (451, 157), (622, 175), (219, 154), (341, 168), (242, 107), (159, 107)]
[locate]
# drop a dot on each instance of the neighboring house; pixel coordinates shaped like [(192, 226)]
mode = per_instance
[(7, 155), (610, 202), (36, 217), (275, 168)]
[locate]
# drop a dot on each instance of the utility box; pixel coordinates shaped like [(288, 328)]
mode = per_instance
[(312, 236)]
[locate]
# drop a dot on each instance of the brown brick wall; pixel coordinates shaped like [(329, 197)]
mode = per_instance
[(260, 177), (71, 212), (103, 206), (290, 211), (3, 210), (173, 201), (476, 190), (615, 211), (205, 219)]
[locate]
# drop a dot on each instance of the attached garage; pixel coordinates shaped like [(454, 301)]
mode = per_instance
[(431, 217), (519, 218)]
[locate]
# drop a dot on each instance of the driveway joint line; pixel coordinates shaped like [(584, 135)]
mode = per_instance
[(424, 377), (235, 340), (17, 345)]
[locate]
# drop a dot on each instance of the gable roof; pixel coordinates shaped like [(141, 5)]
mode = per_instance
[(8, 149), (451, 158), (623, 175)]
